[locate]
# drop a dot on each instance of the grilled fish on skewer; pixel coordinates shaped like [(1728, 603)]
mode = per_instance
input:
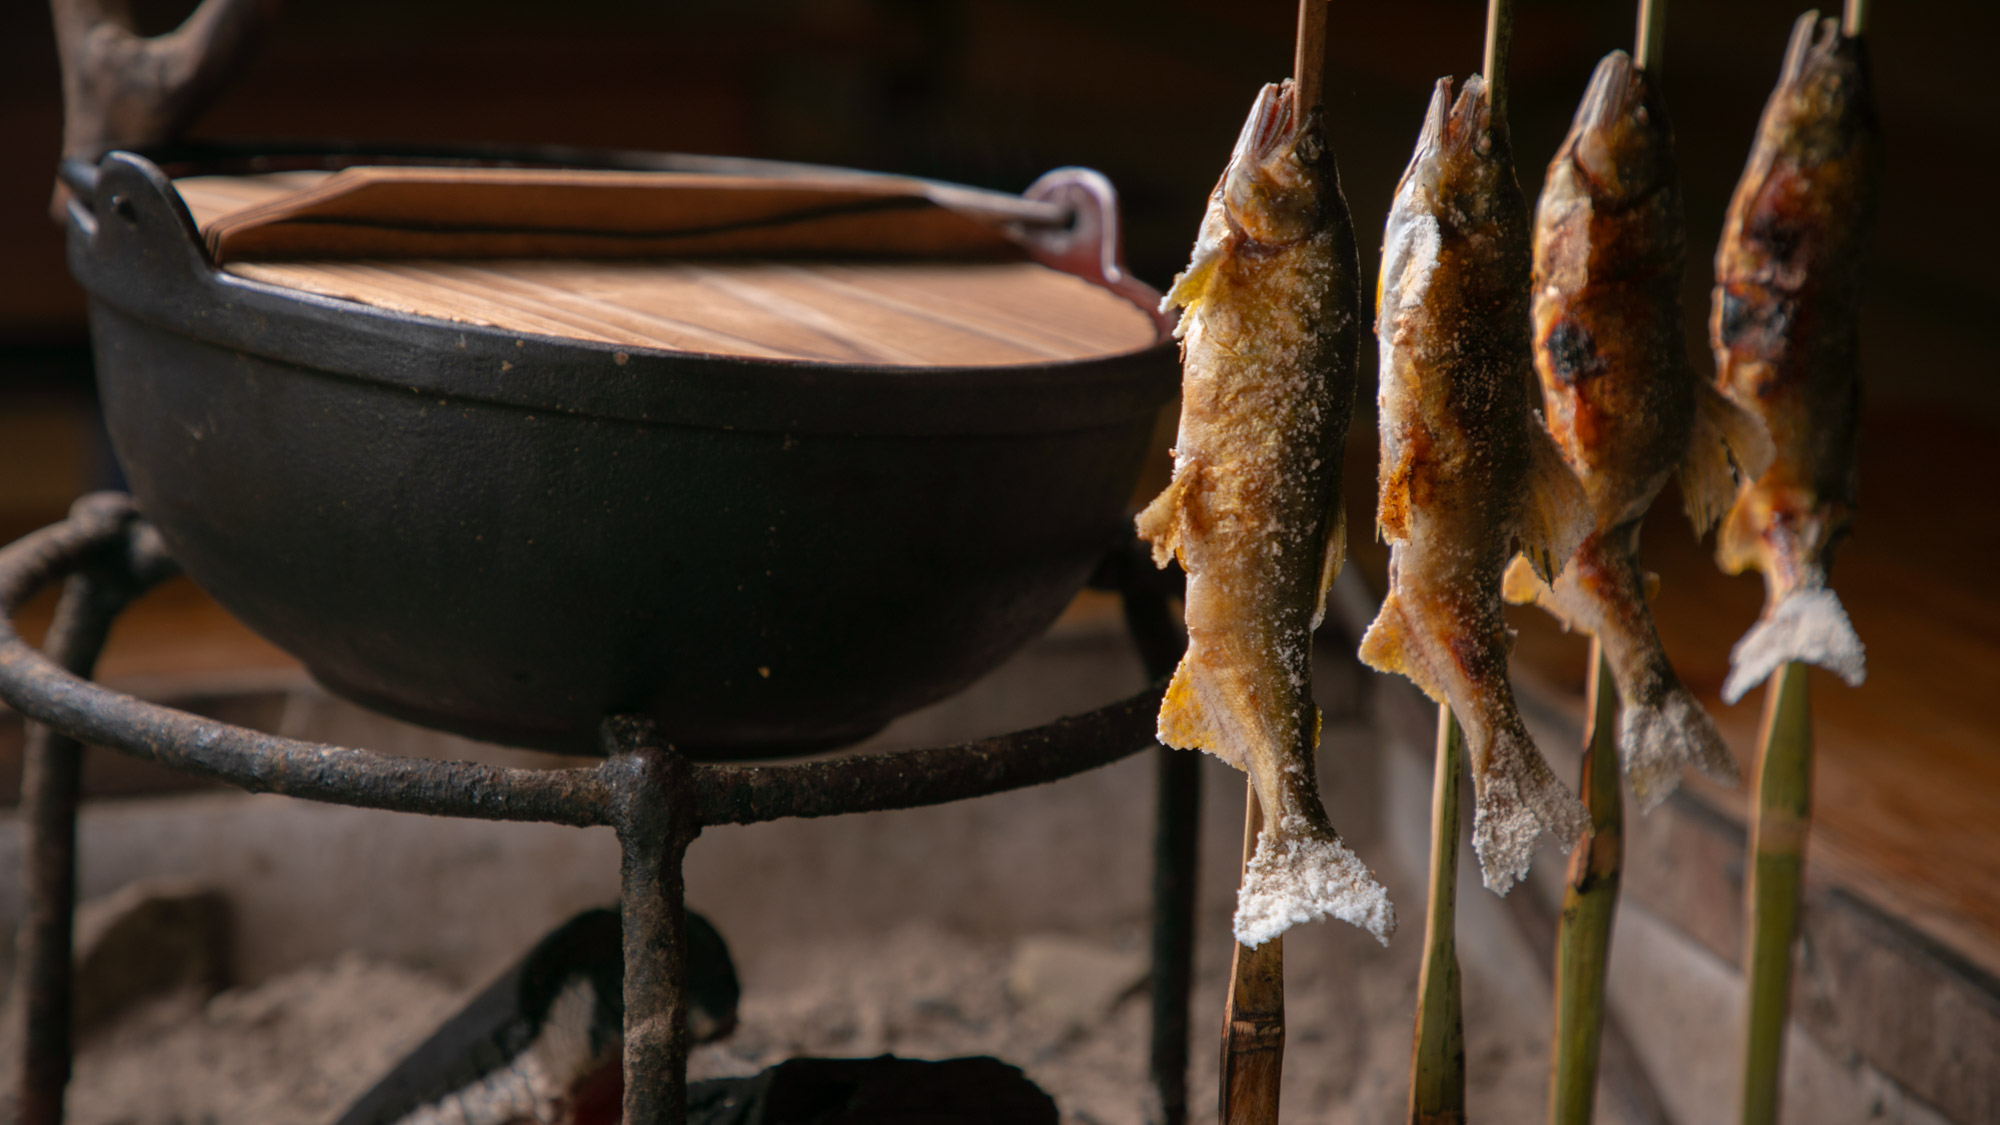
[(1253, 511), (1626, 406), (1469, 478), (1787, 288)]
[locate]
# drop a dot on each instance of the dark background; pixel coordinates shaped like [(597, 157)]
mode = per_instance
[(994, 92)]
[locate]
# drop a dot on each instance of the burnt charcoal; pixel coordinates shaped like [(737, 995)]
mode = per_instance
[(884, 1090)]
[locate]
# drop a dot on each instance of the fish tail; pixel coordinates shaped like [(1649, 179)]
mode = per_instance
[(1302, 871), (1806, 625), (1517, 799), (1664, 730), (1728, 444), (1556, 516), (1194, 714), (1391, 646)]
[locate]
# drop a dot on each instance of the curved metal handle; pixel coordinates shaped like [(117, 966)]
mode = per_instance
[(1092, 246)]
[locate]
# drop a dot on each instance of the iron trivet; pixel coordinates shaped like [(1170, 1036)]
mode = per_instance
[(654, 798)]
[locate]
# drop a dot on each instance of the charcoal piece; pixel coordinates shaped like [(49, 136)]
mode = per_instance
[(884, 1090)]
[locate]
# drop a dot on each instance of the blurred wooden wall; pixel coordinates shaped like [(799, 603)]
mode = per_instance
[(994, 92)]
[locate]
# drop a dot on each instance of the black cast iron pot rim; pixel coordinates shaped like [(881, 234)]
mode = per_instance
[(158, 272)]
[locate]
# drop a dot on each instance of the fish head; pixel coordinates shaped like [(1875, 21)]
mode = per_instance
[(1823, 94), (1273, 187), (1472, 164), (1621, 140)]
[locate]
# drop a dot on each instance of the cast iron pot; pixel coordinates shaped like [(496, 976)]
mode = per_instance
[(511, 536)]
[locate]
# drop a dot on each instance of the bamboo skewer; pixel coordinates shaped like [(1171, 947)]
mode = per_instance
[(1783, 815), (1253, 1030), (1437, 1055), (1855, 18), (1590, 904), (1651, 42), (1309, 58), (1253, 1036), (1499, 45), (1437, 1049)]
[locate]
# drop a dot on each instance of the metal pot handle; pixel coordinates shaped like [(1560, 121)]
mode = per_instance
[(1092, 246)]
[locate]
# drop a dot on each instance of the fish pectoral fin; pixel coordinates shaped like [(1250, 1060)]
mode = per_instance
[(1332, 556), (1729, 445), (1187, 714), (1161, 521), (1738, 546), (1393, 645), (1211, 245), (1522, 586), (1555, 515)]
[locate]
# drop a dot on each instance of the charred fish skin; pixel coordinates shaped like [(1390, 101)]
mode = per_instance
[(1787, 296), (1269, 346), (1469, 478), (1626, 406)]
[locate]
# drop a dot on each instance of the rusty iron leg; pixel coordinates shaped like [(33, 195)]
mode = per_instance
[(1176, 829), (654, 814), (51, 772)]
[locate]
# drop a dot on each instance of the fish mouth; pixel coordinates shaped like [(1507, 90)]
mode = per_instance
[(1614, 93), (1813, 37), (1269, 125)]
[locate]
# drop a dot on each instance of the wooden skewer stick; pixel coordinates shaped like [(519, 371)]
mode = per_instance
[(1590, 903), (1499, 44), (1782, 812), (1309, 58), (1437, 1056), (1253, 1033), (1652, 40), (1856, 18)]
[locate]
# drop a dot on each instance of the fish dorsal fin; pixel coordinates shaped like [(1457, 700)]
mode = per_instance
[(1332, 556), (1555, 513), (1729, 444)]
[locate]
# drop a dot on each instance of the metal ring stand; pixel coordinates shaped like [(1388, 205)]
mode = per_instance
[(654, 798)]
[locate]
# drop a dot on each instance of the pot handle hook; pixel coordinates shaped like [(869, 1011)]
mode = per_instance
[(125, 90)]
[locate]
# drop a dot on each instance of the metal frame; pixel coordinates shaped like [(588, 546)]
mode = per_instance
[(655, 799)]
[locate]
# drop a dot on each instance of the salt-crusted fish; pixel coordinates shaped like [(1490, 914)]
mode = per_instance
[(1626, 405), (1469, 477), (1787, 291), (1268, 345)]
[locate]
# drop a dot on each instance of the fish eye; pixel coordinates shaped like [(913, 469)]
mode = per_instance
[(1309, 148)]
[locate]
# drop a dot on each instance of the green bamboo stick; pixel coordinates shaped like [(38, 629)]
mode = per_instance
[(1253, 1024), (1782, 816), (1590, 903), (1437, 1057)]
